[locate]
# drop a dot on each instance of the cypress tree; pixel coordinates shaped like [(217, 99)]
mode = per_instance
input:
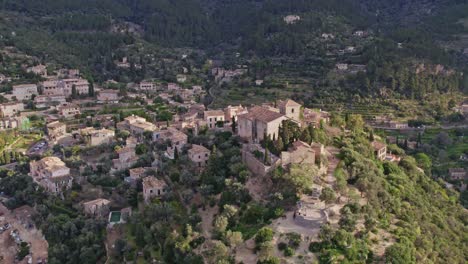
[(280, 144), (74, 92), (176, 154), (91, 88), (233, 125)]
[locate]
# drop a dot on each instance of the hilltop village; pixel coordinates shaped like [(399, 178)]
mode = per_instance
[(247, 176)]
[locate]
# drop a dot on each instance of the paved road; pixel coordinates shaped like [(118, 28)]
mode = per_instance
[(444, 127)]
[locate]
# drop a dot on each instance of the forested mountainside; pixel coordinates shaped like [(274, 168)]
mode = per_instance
[(206, 22), (302, 54)]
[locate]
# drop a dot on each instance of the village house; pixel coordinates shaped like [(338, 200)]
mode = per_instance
[(173, 87), (97, 208), (342, 66), (328, 36), (186, 95), (127, 158), (315, 117), (181, 78), (135, 175), (153, 187), (398, 125), (199, 155), (258, 82), (189, 117), (291, 19), (81, 86), (44, 101), (96, 137), (231, 112), (380, 150), (259, 121), (457, 174), (223, 75), (12, 122), (131, 142), (146, 86), (52, 87), (123, 63), (350, 49), (65, 87), (290, 109), (212, 118), (68, 73), (24, 91), (298, 153), (11, 109), (175, 137), (108, 96), (136, 125), (56, 130), (52, 174), (359, 33), (105, 120), (68, 110), (40, 70)]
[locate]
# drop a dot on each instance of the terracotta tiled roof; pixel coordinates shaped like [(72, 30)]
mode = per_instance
[(378, 145), (213, 113), (125, 150), (198, 149), (297, 144), (261, 114), (288, 102), (99, 201), (152, 182)]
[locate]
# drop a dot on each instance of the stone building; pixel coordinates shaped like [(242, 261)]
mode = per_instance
[(97, 208), (96, 137), (69, 110), (24, 91), (52, 174), (108, 96), (199, 155), (290, 108), (127, 158), (380, 150), (153, 187), (456, 174), (11, 109), (56, 130), (212, 118), (259, 121), (43, 101)]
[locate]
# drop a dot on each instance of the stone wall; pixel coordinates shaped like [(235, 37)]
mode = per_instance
[(256, 166)]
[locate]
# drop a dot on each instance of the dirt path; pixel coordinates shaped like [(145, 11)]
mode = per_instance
[(245, 252), (20, 219), (207, 217), (113, 234)]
